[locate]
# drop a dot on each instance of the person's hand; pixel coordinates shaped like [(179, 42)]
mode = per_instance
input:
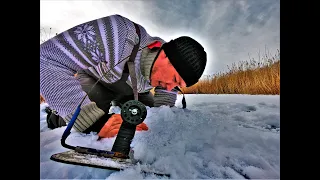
[(112, 126), (164, 97)]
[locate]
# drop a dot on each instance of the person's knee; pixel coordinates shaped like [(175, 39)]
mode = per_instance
[(85, 80), (97, 92)]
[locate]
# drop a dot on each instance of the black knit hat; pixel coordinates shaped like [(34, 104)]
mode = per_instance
[(188, 58)]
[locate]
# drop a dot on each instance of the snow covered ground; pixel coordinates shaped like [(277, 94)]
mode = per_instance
[(216, 137)]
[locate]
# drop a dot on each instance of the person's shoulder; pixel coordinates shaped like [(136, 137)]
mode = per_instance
[(109, 16), (120, 16)]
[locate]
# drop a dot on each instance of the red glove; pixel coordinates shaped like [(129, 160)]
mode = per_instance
[(112, 126)]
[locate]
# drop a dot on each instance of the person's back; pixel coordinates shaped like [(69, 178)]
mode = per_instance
[(97, 46)]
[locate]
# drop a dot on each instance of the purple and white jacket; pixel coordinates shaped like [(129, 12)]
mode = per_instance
[(97, 46)]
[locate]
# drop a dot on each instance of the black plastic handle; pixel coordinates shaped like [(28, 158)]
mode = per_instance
[(124, 138)]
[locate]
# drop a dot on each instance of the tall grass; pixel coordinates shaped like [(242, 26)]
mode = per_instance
[(246, 77), (44, 35), (41, 99)]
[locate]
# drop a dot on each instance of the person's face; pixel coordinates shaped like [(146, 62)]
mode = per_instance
[(164, 74)]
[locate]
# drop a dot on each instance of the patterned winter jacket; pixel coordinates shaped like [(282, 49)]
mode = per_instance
[(97, 46)]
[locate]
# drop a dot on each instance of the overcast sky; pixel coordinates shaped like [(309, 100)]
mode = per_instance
[(228, 29)]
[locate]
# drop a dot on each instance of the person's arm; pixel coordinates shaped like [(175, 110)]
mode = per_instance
[(61, 90)]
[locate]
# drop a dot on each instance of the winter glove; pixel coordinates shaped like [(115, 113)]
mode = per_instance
[(112, 126), (90, 118), (164, 97)]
